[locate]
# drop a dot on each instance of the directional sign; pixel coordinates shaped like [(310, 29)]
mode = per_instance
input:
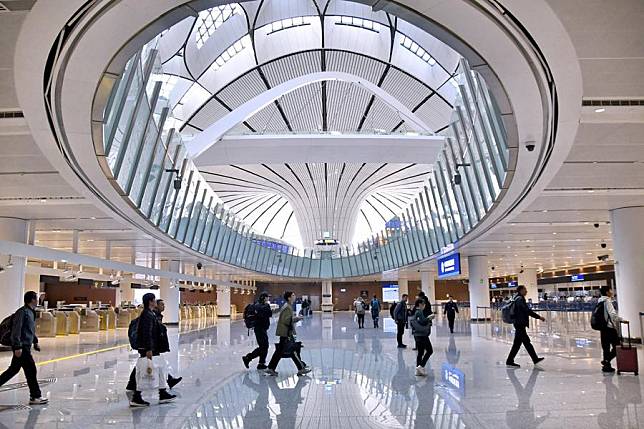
[(449, 265)]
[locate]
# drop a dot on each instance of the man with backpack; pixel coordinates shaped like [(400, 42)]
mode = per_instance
[(605, 320), (375, 311), (22, 337), (258, 317), (520, 318)]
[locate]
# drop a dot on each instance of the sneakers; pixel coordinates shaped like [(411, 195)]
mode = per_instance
[(304, 371), (512, 365), (536, 362), (420, 371), (246, 361), (165, 397), (173, 381), (270, 372), (608, 369), (38, 401), (137, 401), (261, 367)]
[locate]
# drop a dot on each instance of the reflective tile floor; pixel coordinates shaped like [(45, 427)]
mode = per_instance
[(360, 380)]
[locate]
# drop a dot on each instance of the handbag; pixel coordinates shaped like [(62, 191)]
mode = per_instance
[(147, 374), (292, 347), (418, 329)]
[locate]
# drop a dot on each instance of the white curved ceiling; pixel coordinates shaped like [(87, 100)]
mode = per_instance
[(230, 55)]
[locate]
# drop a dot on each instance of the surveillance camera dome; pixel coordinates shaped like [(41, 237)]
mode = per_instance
[(603, 245), (596, 225), (199, 265), (530, 146)]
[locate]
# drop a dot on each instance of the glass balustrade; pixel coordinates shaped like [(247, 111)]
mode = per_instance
[(148, 160)]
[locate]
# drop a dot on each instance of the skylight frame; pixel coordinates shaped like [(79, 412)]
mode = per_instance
[(417, 50), (359, 22), (211, 19)]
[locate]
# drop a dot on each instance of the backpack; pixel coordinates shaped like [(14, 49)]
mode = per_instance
[(132, 333), (360, 308), (597, 319), (392, 309), (507, 312), (250, 316), (5, 331)]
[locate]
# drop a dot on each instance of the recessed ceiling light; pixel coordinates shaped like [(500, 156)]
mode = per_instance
[(600, 110), (554, 233), (590, 191), (43, 200)]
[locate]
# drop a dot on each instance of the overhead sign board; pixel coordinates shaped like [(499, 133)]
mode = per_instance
[(577, 278), (512, 284), (449, 265)]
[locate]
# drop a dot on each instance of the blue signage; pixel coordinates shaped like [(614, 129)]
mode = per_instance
[(449, 265), (454, 377), (493, 286), (577, 278), (393, 223), (512, 284)]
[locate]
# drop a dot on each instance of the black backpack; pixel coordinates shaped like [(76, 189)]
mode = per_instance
[(5, 331), (250, 316), (597, 319), (132, 333), (392, 309)]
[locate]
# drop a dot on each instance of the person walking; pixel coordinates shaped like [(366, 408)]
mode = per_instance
[(359, 306), (400, 316), (609, 334), (286, 332), (375, 311), (150, 342), (263, 315), (450, 310), (23, 337), (421, 326), (522, 313)]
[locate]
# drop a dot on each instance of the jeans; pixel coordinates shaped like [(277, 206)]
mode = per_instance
[(400, 330), (424, 350), (261, 351), (450, 320), (279, 351), (609, 339), (26, 362), (360, 320), (375, 318), (521, 337)]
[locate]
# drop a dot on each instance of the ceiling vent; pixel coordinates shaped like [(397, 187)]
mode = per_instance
[(605, 102), (11, 114)]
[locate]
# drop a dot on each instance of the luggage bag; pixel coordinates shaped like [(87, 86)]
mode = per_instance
[(627, 356)]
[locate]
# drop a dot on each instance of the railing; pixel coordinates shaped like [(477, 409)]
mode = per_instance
[(149, 166)]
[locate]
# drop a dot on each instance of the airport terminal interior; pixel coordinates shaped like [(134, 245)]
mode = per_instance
[(321, 213)]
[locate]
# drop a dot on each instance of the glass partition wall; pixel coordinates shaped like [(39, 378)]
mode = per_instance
[(149, 163)]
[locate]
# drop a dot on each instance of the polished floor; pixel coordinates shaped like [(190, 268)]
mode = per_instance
[(360, 380)]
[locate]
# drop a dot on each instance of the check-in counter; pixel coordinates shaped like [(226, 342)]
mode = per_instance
[(210, 311), (74, 321), (184, 313), (124, 318), (62, 323), (89, 321), (45, 325)]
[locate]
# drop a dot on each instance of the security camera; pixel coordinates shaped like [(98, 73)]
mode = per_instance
[(457, 179), (492, 268), (529, 146), (602, 258), (596, 225), (199, 265), (603, 245), (177, 184)]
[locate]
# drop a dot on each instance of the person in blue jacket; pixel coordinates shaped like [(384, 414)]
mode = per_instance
[(375, 311)]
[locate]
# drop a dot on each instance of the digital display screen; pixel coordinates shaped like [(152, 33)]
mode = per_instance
[(390, 293), (577, 278), (493, 286), (512, 284), (449, 265)]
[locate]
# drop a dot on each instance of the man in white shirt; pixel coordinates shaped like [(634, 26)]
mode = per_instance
[(610, 333)]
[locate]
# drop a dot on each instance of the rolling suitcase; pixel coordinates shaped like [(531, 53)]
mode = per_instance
[(627, 356)]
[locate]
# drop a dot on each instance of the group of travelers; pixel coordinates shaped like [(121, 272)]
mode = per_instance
[(361, 307)]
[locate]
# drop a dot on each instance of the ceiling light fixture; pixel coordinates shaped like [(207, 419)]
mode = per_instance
[(600, 110)]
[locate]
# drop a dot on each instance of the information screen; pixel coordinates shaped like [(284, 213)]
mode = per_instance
[(449, 265), (577, 278), (390, 293)]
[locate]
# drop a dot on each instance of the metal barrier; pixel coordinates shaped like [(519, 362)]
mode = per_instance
[(485, 309)]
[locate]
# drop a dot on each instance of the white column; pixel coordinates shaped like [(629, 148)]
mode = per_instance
[(428, 285), (403, 288), (170, 293), (12, 279), (327, 296), (127, 293), (223, 301), (628, 241), (478, 286), (528, 278)]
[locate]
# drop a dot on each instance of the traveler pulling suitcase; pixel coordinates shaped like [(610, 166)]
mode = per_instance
[(627, 356)]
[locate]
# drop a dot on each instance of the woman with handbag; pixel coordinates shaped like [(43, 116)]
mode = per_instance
[(287, 347), (421, 327)]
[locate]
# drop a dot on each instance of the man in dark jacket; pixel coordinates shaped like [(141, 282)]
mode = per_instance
[(400, 316), (263, 315), (149, 344), (522, 313), (450, 310), (23, 336)]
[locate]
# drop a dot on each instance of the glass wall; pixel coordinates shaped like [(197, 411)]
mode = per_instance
[(146, 156)]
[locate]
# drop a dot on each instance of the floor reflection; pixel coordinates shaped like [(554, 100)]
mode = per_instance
[(523, 415)]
